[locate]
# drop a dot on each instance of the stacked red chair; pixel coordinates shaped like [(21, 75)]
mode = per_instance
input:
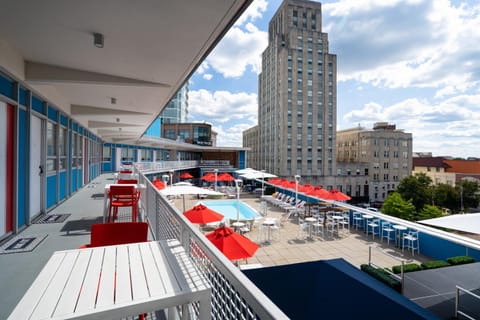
[(122, 196)]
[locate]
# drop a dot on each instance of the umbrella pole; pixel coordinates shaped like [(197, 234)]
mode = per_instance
[(183, 202)]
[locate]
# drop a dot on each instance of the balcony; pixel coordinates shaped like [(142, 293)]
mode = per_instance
[(234, 295)]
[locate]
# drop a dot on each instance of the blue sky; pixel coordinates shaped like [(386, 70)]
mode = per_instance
[(413, 63)]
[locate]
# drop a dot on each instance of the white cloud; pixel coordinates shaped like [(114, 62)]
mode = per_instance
[(222, 106), (424, 43), (230, 136), (238, 50), (203, 67), (254, 12), (207, 76), (449, 127)]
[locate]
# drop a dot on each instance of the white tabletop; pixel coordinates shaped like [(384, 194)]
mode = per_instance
[(311, 219), (268, 222), (367, 216), (399, 227), (238, 224), (115, 282)]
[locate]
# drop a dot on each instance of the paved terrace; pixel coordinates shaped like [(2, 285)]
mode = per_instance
[(86, 206), (289, 248)]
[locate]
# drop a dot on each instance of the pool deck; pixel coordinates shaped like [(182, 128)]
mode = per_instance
[(289, 248)]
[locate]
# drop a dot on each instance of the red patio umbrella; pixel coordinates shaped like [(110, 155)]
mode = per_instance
[(336, 195), (202, 214), (305, 188), (158, 184), (274, 181), (225, 177), (210, 177), (233, 245), (318, 192), (289, 184), (186, 175)]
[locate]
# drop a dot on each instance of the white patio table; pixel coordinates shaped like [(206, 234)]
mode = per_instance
[(115, 282)]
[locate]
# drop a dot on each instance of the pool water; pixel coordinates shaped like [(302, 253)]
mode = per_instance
[(228, 208)]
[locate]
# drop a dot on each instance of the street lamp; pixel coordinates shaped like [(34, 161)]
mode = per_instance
[(238, 185), (216, 173), (297, 179)]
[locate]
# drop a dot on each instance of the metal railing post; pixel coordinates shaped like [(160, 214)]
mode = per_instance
[(457, 294), (402, 277)]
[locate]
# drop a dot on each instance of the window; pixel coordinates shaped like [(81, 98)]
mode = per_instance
[(62, 148), (170, 134), (51, 146), (107, 153)]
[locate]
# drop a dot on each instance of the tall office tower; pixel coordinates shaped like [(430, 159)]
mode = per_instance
[(176, 111), (297, 96)]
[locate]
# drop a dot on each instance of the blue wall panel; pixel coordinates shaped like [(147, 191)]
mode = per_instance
[(442, 249), (63, 120), (22, 172), (106, 167), (80, 175), (241, 160), (6, 87), (51, 191), (62, 185), (37, 105), (52, 113), (73, 184), (23, 97)]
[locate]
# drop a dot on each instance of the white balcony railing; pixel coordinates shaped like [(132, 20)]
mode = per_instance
[(234, 296)]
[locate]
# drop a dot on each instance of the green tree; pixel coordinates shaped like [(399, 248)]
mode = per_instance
[(469, 196), (417, 188), (429, 212), (446, 196), (396, 206)]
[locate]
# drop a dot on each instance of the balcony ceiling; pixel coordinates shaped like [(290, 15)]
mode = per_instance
[(150, 49)]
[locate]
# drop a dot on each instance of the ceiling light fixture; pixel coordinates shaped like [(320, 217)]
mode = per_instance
[(98, 40)]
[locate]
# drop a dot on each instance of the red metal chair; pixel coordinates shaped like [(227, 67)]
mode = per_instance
[(126, 171), (122, 196), (127, 181), (108, 234)]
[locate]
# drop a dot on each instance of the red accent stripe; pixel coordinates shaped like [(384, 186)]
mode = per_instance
[(9, 167)]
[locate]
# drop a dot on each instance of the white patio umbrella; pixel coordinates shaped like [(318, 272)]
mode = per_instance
[(243, 171), (469, 222), (183, 190), (252, 175), (183, 183)]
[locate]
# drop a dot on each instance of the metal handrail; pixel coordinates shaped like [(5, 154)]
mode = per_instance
[(234, 296), (402, 261), (457, 302)]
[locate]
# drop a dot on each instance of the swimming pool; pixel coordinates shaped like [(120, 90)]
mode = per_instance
[(228, 208)]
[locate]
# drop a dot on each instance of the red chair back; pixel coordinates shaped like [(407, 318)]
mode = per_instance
[(108, 234), (127, 181), (116, 191), (126, 171)]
